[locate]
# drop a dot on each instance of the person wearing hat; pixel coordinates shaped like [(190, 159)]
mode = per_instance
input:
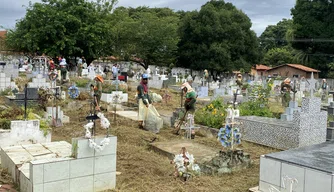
[(143, 98), (239, 80), (285, 91), (97, 91), (190, 94)]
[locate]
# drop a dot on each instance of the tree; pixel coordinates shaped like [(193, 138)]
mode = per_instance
[(274, 36), (278, 56), (217, 38), (64, 27), (144, 35), (313, 31)]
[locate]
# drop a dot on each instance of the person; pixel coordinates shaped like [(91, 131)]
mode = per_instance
[(80, 66), (206, 76), (285, 91), (53, 75), (190, 97), (97, 91), (239, 80), (51, 65), (114, 70), (324, 89), (143, 99), (63, 70)]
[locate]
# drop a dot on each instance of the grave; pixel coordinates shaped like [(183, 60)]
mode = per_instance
[(39, 82), (306, 169), (52, 113), (115, 97), (5, 82), (202, 92), (288, 114), (60, 166), (330, 128), (23, 132), (308, 127)]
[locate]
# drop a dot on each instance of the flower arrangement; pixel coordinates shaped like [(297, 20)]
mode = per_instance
[(185, 164), (106, 141)]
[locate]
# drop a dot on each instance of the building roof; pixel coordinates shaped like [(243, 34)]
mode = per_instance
[(261, 67), (3, 34), (297, 66)]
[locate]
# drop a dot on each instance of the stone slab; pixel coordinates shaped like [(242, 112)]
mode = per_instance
[(201, 152), (133, 115), (319, 157)]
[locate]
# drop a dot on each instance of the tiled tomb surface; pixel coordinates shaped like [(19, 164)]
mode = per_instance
[(60, 166), (308, 127), (306, 169)]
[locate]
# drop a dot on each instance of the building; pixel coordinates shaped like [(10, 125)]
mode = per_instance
[(293, 70), (259, 70)]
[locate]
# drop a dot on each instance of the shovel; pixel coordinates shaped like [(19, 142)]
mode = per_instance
[(178, 127)]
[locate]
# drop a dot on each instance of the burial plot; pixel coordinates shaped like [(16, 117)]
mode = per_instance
[(39, 82), (60, 166), (330, 128), (306, 169), (5, 82), (24, 132), (308, 127), (203, 92)]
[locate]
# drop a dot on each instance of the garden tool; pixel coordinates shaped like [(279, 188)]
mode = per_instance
[(178, 127)]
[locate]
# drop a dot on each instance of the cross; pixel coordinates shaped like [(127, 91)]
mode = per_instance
[(25, 100), (294, 90), (312, 84)]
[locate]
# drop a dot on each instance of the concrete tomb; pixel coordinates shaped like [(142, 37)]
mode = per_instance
[(60, 166), (306, 169), (308, 127)]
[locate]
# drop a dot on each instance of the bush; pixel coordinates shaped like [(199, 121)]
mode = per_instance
[(81, 82), (212, 115), (255, 108), (4, 124)]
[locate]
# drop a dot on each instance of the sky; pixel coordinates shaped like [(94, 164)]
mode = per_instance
[(261, 12)]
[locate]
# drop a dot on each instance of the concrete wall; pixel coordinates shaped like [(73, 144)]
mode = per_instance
[(274, 173)]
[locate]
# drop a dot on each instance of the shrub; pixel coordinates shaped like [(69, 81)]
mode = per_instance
[(4, 124), (212, 115), (81, 82)]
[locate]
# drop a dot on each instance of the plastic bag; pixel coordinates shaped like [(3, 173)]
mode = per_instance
[(152, 122)]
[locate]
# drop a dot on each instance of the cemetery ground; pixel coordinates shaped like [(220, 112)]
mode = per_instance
[(143, 169)]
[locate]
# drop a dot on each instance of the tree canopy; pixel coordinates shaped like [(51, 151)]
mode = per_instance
[(64, 27), (218, 38)]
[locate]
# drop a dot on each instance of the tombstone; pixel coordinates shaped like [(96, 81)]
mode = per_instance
[(91, 74), (39, 82), (203, 92), (5, 82), (219, 92)]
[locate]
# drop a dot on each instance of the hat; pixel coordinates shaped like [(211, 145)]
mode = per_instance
[(189, 88), (145, 76), (287, 80), (239, 75), (99, 78)]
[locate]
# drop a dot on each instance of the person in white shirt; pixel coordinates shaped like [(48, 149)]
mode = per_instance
[(114, 70)]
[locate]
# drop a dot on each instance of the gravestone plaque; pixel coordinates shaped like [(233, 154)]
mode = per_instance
[(203, 92)]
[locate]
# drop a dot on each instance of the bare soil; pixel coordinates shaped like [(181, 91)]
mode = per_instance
[(144, 170)]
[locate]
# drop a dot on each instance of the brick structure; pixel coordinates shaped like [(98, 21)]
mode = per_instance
[(293, 70)]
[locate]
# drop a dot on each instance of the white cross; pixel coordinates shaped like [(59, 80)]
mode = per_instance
[(312, 84)]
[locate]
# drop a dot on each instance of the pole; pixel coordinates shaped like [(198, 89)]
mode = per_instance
[(25, 101)]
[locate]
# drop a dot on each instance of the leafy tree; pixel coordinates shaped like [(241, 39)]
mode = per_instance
[(313, 31), (274, 36), (278, 56), (217, 38), (144, 35), (64, 27)]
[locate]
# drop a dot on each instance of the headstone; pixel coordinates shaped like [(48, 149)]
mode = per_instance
[(219, 92), (39, 82), (5, 82), (203, 92)]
